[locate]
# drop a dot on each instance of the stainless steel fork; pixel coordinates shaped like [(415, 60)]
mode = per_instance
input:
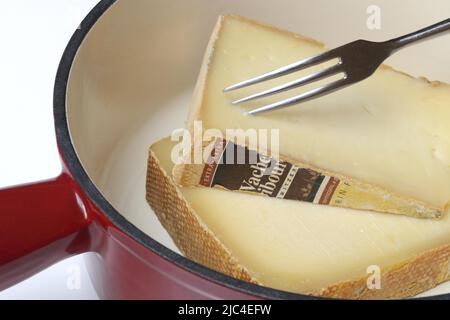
[(356, 61)]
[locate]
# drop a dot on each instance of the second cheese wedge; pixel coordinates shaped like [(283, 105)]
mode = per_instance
[(296, 246)]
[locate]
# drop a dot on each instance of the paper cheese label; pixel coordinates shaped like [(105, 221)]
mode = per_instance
[(238, 168), (265, 175)]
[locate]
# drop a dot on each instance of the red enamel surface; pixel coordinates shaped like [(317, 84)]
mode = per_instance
[(40, 223), (45, 222)]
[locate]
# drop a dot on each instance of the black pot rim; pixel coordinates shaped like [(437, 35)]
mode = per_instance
[(81, 177)]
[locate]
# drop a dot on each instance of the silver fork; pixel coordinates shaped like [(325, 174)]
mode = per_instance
[(357, 61)]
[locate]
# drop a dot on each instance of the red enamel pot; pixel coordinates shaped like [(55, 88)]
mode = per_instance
[(45, 222), (124, 81)]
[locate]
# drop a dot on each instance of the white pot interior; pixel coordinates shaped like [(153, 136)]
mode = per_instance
[(132, 78)]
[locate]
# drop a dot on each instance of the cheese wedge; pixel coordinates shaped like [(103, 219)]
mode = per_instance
[(391, 130), (298, 246)]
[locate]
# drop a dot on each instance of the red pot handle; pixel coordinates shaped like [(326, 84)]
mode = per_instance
[(40, 224)]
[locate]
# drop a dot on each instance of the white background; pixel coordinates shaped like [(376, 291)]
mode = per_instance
[(33, 35)]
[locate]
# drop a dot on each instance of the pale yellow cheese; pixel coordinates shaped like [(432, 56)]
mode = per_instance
[(390, 130), (302, 247)]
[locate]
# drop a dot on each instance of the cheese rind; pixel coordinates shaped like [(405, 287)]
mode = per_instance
[(296, 246), (189, 233), (390, 130), (288, 179)]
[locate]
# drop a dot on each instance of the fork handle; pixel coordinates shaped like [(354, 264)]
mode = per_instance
[(422, 34)]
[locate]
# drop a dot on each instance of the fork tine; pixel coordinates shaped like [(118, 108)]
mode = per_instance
[(293, 67), (294, 84), (309, 95)]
